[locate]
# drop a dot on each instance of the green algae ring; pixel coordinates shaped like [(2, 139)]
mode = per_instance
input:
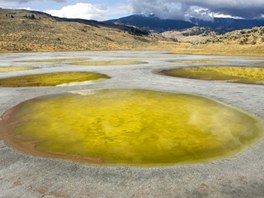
[(129, 127)]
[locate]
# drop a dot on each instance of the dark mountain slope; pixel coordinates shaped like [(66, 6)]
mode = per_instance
[(152, 23), (228, 24), (220, 25)]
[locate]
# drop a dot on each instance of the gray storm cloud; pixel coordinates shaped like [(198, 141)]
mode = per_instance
[(184, 9)]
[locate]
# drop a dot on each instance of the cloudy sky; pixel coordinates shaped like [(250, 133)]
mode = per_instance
[(174, 9)]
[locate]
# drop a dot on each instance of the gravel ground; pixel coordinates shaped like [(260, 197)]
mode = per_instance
[(241, 175)]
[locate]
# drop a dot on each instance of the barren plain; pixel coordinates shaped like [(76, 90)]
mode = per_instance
[(24, 175)]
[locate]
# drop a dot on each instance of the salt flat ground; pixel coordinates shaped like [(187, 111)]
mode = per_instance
[(241, 175)]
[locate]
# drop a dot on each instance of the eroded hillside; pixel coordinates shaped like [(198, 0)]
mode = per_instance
[(23, 31)]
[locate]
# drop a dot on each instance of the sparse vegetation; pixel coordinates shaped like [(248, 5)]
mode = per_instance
[(30, 16), (35, 31), (240, 42), (242, 37), (190, 35)]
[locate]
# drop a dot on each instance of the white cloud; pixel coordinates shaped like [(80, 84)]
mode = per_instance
[(92, 11), (206, 14), (25, 8), (199, 13), (80, 10), (219, 15)]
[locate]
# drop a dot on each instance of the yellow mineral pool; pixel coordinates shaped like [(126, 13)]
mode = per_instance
[(50, 79), (129, 127), (237, 74)]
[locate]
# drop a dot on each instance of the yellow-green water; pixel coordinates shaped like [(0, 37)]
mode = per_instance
[(14, 68), (50, 79), (248, 75), (133, 127)]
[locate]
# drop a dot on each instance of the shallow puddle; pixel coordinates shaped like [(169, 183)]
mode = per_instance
[(55, 60), (14, 68), (248, 75), (202, 61), (50, 79), (108, 63), (260, 64), (131, 127)]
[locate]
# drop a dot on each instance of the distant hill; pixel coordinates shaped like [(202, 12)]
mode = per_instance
[(239, 42), (223, 25), (190, 35), (220, 25), (202, 35), (253, 36), (152, 23), (23, 30)]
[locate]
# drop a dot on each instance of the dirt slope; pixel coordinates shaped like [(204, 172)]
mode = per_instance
[(23, 31)]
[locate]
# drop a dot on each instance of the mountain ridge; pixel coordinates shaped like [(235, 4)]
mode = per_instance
[(220, 25), (152, 23)]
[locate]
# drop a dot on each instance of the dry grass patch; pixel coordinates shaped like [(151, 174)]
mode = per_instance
[(50, 79), (220, 49), (248, 75), (44, 33)]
